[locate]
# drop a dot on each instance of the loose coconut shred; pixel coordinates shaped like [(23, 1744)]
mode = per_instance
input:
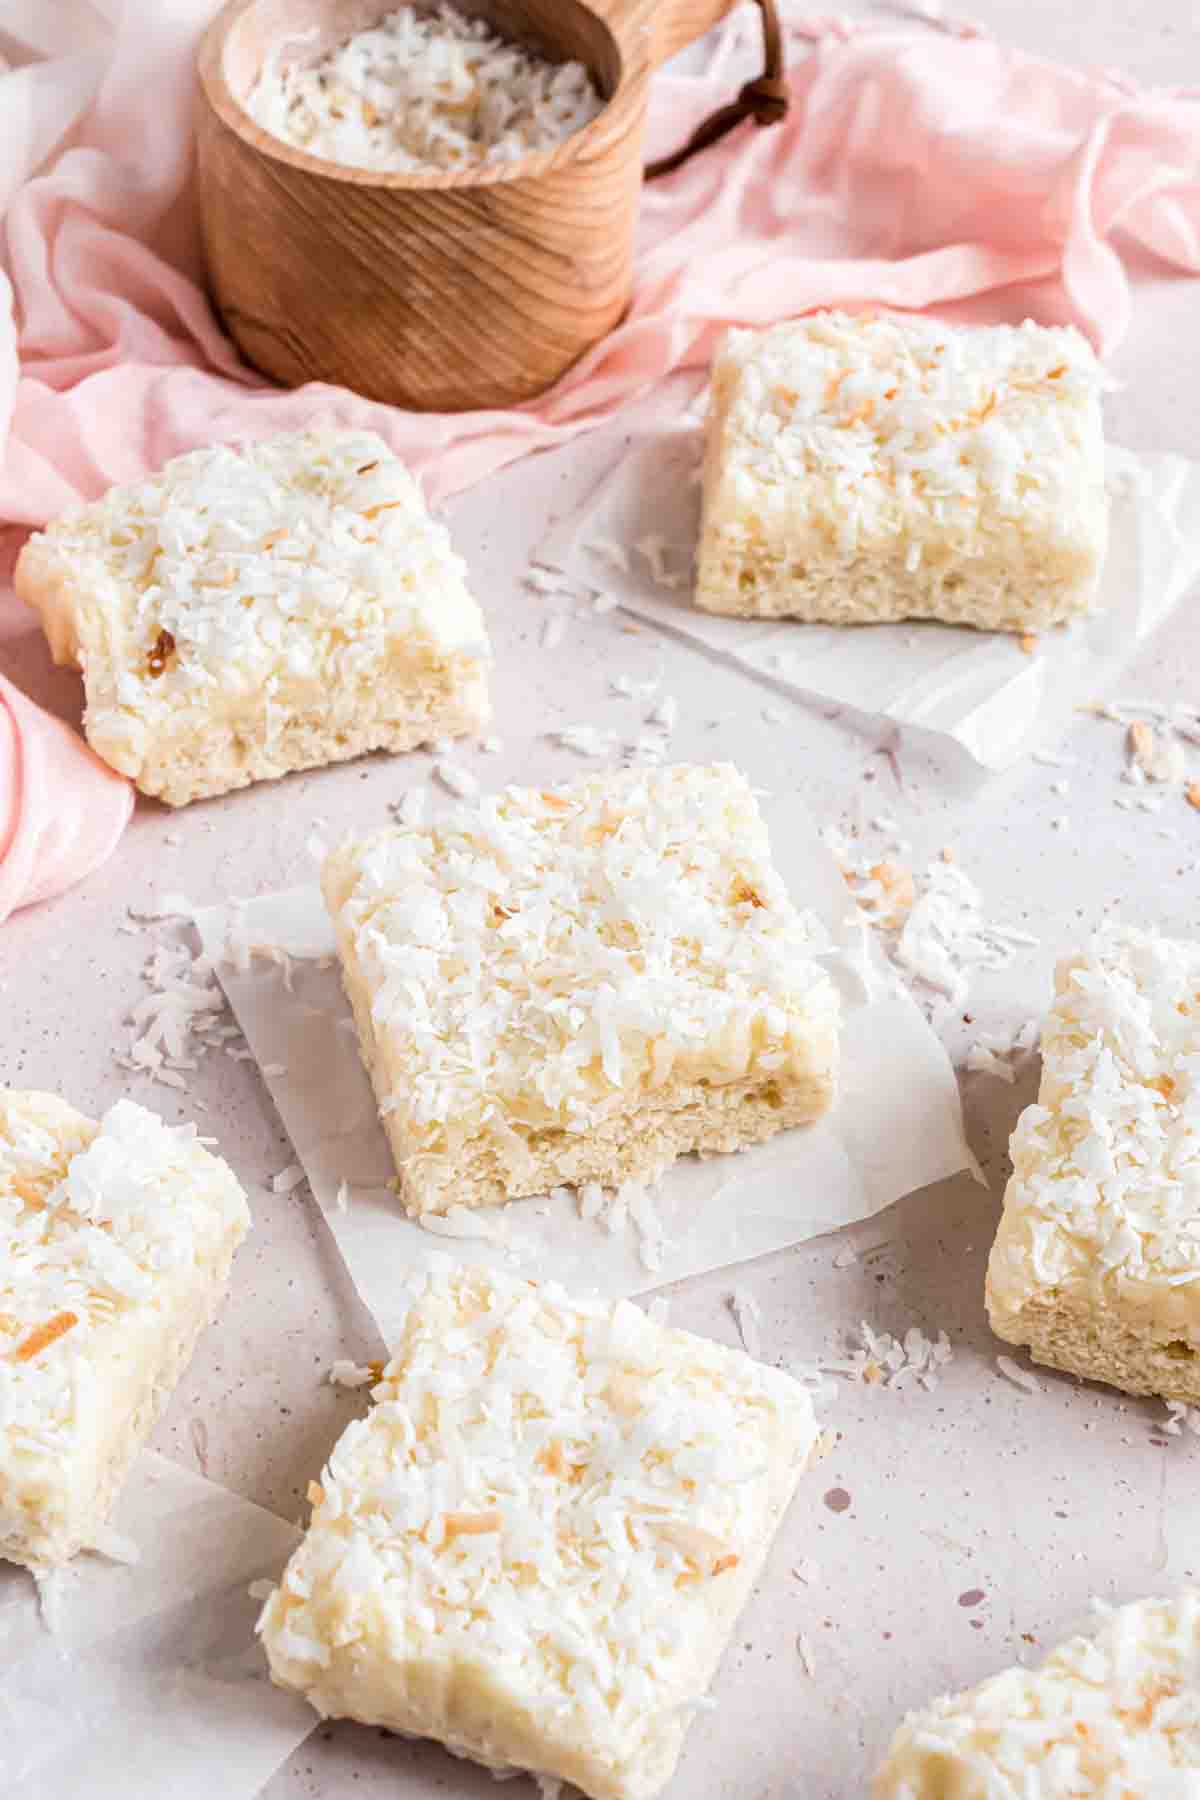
[(423, 90)]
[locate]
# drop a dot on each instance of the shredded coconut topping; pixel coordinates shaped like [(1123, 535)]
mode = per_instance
[(1114, 1714), (553, 1491), (535, 961), (424, 89), (906, 426)]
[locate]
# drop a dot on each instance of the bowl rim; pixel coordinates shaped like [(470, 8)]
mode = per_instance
[(216, 90)]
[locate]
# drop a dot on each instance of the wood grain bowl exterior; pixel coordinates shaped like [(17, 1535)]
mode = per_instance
[(440, 292)]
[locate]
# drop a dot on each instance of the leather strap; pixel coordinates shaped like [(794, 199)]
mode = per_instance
[(765, 100)]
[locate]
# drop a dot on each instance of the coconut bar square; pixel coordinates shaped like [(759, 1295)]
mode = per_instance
[(860, 470), (537, 1544), (1096, 1263), (249, 612), (1115, 1713), (580, 984), (115, 1245)]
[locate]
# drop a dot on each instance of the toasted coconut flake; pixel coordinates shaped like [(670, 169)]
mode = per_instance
[(45, 1335), (465, 1524)]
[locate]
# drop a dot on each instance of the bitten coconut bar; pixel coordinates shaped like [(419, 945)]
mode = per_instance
[(536, 1545), (248, 612), (861, 470), (115, 1245), (1115, 1714), (1096, 1264), (580, 984)]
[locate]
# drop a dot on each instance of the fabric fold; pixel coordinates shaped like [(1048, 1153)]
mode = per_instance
[(62, 811)]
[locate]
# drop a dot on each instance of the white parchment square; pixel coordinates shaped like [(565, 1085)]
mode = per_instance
[(151, 1683), (896, 1126)]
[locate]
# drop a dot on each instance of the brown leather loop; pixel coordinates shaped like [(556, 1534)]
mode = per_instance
[(765, 100)]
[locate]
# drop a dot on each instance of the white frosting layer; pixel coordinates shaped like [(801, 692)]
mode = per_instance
[(556, 1504), (1104, 1201), (1114, 1717)]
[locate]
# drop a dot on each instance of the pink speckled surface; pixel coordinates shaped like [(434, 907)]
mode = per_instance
[(979, 1517)]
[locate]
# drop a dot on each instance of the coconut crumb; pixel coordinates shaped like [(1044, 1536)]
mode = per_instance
[(115, 1547), (940, 940), (551, 582), (591, 1200), (182, 1015), (652, 1242), (626, 688), (747, 1316), (609, 551), (586, 740), (409, 810), (880, 1360), (1019, 1377), (1181, 1418), (457, 781), (346, 1374), (287, 1179), (53, 1587), (658, 553), (1157, 756), (466, 1222), (1002, 1057), (170, 906)]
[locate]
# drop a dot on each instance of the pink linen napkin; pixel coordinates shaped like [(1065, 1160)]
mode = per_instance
[(915, 169), (61, 809)]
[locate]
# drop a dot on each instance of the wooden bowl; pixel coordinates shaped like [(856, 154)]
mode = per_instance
[(439, 292)]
